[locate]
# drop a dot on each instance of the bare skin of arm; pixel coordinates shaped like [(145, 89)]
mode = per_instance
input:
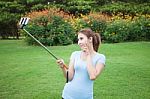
[(94, 72), (70, 70)]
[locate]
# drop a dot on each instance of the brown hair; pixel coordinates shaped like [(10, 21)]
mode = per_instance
[(96, 37)]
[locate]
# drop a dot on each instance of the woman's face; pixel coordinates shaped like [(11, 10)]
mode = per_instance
[(82, 40)]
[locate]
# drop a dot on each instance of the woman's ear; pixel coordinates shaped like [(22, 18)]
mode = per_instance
[(90, 39)]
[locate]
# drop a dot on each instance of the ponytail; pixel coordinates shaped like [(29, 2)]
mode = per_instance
[(96, 41)]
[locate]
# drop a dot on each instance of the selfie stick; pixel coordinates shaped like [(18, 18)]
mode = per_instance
[(23, 22)]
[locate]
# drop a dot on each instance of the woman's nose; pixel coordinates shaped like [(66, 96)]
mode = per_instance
[(79, 42)]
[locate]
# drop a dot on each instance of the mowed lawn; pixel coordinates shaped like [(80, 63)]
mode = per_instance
[(29, 72)]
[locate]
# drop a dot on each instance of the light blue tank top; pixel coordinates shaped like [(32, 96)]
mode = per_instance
[(81, 87)]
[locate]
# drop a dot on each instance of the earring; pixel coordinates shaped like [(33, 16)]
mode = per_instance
[(90, 39)]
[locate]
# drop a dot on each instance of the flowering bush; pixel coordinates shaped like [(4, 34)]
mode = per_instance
[(125, 30), (50, 29), (58, 27), (116, 31), (139, 29), (97, 22), (49, 12)]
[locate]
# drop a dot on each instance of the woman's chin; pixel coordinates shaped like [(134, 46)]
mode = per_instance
[(83, 50)]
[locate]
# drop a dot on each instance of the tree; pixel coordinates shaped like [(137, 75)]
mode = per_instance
[(103, 2), (8, 25), (10, 14), (135, 1)]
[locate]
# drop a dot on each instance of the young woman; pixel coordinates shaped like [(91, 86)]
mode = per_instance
[(84, 67)]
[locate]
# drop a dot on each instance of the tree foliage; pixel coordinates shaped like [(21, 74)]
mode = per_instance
[(134, 1), (12, 10), (10, 14), (8, 25)]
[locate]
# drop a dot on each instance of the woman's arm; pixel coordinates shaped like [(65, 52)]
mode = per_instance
[(94, 72), (70, 69)]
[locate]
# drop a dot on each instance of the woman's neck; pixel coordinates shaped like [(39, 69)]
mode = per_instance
[(84, 55)]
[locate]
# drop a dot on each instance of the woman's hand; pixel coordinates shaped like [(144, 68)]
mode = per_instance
[(87, 49), (60, 62)]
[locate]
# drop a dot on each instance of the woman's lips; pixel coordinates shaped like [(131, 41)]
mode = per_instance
[(81, 45)]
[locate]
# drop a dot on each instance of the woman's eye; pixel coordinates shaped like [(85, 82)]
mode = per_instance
[(81, 38)]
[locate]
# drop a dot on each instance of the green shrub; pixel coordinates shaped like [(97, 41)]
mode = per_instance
[(80, 24), (55, 32), (116, 31), (62, 32), (37, 31), (97, 26), (120, 31), (139, 29), (41, 20)]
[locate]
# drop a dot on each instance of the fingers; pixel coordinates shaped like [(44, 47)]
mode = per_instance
[(86, 47), (60, 62)]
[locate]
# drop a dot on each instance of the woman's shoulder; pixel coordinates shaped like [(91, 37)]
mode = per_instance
[(100, 55), (100, 58), (76, 52)]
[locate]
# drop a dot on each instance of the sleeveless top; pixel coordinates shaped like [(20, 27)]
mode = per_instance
[(81, 87)]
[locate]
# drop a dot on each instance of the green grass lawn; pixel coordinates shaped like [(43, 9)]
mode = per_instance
[(28, 72)]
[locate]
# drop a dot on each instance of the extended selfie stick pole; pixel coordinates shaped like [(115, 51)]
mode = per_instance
[(40, 44), (23, 23)]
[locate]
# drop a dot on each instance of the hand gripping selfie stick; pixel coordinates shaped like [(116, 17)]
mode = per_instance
[(23, 22)]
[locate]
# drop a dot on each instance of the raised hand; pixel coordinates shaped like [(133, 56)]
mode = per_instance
[(60, 62)]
